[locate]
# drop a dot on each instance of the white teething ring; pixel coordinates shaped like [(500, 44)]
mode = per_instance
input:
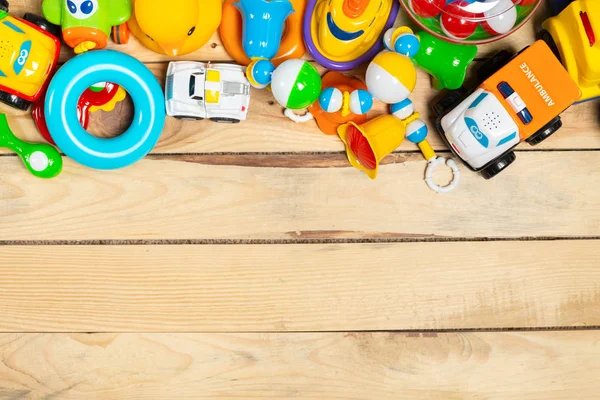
[(433, 164), (299, 119)]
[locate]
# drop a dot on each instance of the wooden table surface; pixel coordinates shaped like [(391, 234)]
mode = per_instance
[(252, 262)]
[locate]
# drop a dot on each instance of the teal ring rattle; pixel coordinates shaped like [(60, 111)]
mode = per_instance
[(90, 68)]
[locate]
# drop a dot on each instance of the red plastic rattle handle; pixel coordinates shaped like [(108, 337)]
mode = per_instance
[(90, 98)]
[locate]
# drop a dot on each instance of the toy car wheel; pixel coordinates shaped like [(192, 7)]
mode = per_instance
[(448, 101), (493, 65), (40, 22), (498, 165), (14, 101), (188, 118), (547, 37), (544, 133), (4, 5), (226, 120)]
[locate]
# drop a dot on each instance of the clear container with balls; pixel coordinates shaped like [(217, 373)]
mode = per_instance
[(471, 21)]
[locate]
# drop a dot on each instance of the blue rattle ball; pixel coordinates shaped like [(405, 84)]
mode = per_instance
[(331, 100), (407, 44), (260, 73), (403, 110), (361, 102), (416, 131)]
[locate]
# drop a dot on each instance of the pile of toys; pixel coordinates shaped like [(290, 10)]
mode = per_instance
[(511, 98)]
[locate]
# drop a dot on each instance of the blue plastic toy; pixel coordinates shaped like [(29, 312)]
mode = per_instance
[(79, 74), (263, 23)]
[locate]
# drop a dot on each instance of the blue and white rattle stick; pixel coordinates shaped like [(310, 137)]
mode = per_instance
[(74, 78)]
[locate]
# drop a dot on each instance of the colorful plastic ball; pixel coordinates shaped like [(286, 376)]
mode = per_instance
[(391, 77), (416, 131), (407, 44), (331, 100), (387, 39), (296, 84), (500, 19), (456, 22), (403, 109), (427, 8), (259, 73), (361, 102)]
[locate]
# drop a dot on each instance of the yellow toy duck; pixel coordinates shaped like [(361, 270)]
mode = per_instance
[(177, 27)]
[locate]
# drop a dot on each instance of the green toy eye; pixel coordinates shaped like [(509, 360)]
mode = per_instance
[(191, 32)]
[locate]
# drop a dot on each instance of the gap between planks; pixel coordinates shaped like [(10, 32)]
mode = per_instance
[(241, 242)]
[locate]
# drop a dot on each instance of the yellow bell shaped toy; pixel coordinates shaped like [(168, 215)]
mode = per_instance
[(371, 142), (177, 27)]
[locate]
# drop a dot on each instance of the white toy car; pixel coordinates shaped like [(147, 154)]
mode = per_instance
[(515, 98), (195, 91), (480, 129)]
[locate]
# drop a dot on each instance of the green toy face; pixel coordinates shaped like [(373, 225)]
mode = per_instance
[(98, 14), (82, 9)]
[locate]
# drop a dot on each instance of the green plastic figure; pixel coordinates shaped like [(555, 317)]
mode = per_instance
[(446, 62), (42, 160), (87, 24)]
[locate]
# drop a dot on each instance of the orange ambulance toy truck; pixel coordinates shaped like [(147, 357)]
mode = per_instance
[(519, 98)]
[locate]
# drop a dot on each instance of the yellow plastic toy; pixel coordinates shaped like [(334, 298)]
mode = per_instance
[(575, 35), (28, 56), (371, 142), (343, 34), (175, 28)]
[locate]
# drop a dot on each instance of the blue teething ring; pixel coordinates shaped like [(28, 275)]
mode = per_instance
[(74, 78)]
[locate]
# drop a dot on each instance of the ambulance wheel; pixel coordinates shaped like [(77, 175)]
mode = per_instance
[(43, 24), (493, 65), (544, 133), (450, 99), (226, 120), (547, 37), (498, 165), (14, 101), (4, 5)]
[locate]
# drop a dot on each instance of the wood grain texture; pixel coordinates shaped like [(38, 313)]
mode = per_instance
[(316, 287), (282, 198), (268, 130), (357, 366)]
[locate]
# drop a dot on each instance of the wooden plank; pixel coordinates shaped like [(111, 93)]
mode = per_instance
[(330, 366), (214, 50), (299, 197), (316, 287)]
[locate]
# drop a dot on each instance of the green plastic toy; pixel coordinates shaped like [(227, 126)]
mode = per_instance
[(446, 62), (42, 160), (87, 24)]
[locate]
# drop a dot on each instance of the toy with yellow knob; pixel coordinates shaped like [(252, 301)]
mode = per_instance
[(87, 24)]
